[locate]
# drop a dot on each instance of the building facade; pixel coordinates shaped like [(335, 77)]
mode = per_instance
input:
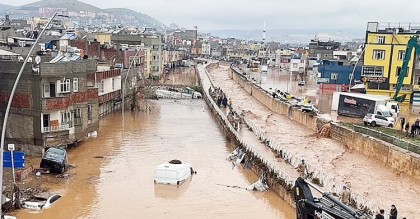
[(52, 106), (385, 48)]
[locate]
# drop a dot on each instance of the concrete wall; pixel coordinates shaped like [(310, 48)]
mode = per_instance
[(390, 155), (260, 166)]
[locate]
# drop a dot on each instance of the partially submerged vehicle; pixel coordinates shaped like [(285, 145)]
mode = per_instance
[(173, 172), (172, 93), (237, 155), (260, 185), (40, 201), (55, 159), (301, 83)]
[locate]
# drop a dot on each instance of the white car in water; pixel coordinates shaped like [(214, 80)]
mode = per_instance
[(378, 120)]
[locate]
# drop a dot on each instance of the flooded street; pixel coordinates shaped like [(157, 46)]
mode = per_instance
[(368, 177), (118, 183)]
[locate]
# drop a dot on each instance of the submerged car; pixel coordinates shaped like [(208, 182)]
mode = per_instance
[(375, 119), (40, 202), (55, 159)]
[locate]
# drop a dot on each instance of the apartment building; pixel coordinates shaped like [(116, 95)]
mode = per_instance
[(52, 106), (385, 47)]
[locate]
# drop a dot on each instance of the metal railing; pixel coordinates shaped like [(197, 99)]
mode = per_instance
[(388, 138), (55, 128)]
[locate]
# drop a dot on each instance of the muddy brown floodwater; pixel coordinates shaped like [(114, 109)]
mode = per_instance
[(369, 178), (120, 185)]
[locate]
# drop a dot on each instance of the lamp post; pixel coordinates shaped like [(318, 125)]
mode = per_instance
[(125, 82), (12, 93), (352, 73)]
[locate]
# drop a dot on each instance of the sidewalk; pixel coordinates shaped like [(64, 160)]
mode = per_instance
[(379, 184)]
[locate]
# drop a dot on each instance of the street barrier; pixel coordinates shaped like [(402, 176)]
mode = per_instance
[(388, 138)]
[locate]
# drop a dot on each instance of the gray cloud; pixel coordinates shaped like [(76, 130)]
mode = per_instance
[(278, 14)]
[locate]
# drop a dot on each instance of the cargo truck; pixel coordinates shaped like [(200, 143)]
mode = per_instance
[(358, 105)]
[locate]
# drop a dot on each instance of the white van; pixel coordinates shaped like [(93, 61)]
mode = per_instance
[(173, 173)]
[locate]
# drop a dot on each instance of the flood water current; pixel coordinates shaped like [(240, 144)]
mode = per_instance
[(113, 174)]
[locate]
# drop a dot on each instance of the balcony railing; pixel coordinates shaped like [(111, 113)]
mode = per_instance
[(61, 127)]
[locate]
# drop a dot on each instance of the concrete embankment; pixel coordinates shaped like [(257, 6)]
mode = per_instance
[(394, 157), (279, 181)]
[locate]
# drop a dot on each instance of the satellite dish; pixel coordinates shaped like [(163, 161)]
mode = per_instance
[(38, 60), (20, 58), (30, 59)]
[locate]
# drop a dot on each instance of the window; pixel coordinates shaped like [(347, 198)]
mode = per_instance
[(101, 86), (134, 60), (380, 39), (325, 55), (75, 84), (378, 54), (372, 71), (77, 115), (64, 86), (334, 76), (302, 61), (399, 72), (401, 55), (89, 113), (65, 119), (113, 81), (294, 65), (46, 92)]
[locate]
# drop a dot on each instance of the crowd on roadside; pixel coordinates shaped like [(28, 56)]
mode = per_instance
[(410, 130), (222, 101)]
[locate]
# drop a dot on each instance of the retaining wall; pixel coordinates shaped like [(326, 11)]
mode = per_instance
[(391, 156), (277, 180)]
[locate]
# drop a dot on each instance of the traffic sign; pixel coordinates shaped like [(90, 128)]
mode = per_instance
[(19, 159)]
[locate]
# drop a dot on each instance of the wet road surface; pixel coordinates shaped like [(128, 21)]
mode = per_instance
[(369, 178), (121, 184)]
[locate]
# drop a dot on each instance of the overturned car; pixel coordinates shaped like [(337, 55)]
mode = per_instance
[(55, 159)]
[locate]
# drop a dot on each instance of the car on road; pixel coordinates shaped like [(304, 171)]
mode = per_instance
[(378, 120)]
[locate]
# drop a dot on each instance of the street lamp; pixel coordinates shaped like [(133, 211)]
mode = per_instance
[(12, 93), (352, 73)]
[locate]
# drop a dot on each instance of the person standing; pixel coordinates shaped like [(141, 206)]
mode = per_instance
[(413, 130), (345, 195), (302, 169), (380, 215), (407, 129), (417, 126), (393, 213), (402, 123)]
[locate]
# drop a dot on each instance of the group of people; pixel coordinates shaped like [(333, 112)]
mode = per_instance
[(392, 214), (220, 98), (410, 130)]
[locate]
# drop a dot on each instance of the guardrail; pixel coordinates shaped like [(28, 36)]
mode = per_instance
[(388, 138)]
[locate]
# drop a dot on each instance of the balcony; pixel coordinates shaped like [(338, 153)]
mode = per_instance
[(57, 128)]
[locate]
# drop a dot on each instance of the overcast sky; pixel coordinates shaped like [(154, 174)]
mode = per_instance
[(278, 14)]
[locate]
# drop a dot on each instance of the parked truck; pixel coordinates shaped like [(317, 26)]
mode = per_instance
[(358, 105)]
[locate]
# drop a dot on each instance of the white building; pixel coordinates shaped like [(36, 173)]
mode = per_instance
[(206, 49), (298, 64), (108, 82)]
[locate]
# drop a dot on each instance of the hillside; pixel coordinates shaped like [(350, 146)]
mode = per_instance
[(75, 5), (142, 18), (4, 7), (71, 5)]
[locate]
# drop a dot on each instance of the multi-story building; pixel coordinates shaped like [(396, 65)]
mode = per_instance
[(108, 83), (123, 40), (52, 106), (385, 47), (206, 49), (323, 50)]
